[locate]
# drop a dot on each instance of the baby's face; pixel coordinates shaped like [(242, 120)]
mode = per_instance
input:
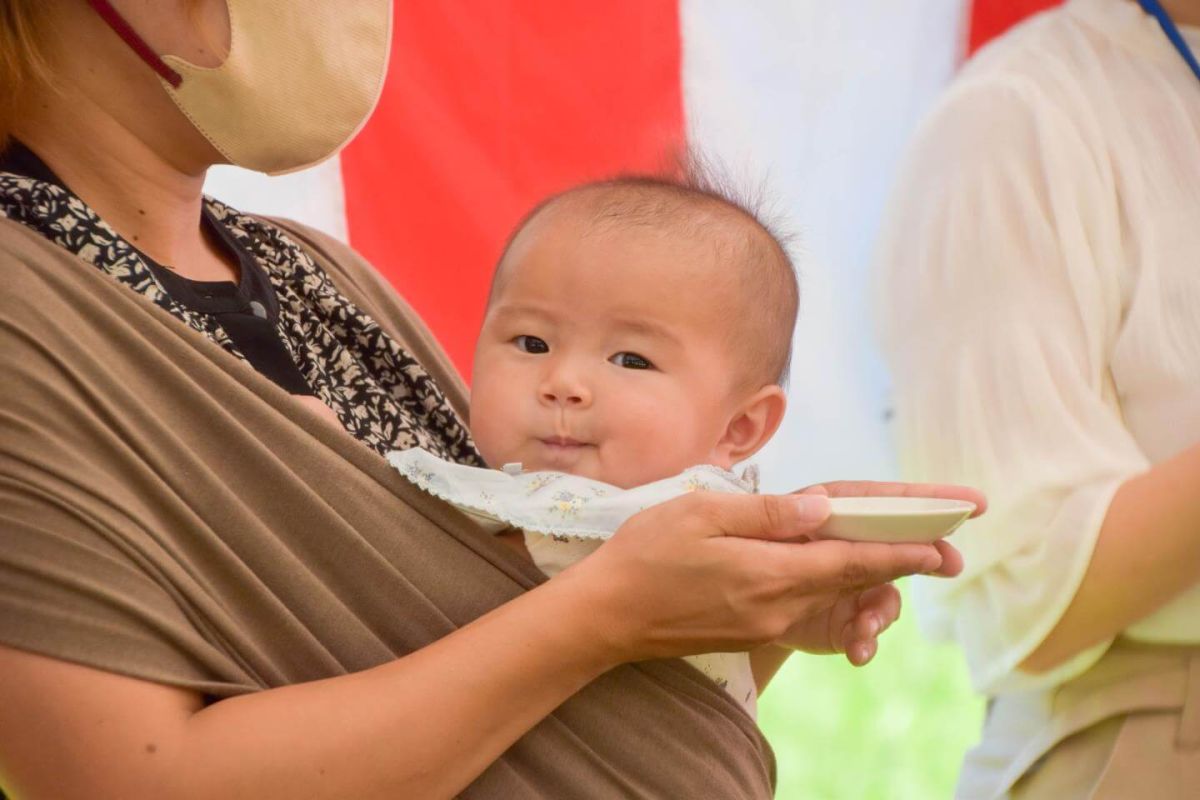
[(606, 354)]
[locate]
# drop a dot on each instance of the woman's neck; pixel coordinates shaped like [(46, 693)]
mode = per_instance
[(111, 133), (147, 200)]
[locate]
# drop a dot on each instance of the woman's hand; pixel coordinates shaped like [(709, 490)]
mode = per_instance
[(854, 620), (851, 624), (714, 572)]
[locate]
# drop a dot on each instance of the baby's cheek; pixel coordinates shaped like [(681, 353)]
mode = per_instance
[(654, 444), (489, 427), (485, 447), (491, 440)]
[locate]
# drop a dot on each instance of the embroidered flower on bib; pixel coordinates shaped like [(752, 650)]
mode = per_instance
[(567, 504)]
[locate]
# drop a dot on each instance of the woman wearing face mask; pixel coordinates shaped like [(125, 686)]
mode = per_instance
[(1040, 295), (211, 584)]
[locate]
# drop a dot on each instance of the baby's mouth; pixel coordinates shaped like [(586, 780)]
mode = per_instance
[(563, 442)]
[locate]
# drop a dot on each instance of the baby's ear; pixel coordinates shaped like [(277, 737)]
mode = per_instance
[(753, 425)]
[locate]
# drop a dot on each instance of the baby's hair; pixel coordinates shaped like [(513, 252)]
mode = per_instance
[(703, 203)]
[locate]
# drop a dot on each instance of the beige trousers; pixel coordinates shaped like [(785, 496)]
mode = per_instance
[(1151, 754)]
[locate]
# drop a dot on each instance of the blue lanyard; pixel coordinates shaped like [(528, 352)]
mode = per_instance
[(1155, 9)]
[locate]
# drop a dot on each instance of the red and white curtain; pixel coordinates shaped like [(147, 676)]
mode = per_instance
[(490, 106)]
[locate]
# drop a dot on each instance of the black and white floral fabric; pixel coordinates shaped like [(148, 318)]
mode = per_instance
[(381, 394)]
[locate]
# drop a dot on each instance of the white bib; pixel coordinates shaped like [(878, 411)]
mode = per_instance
[(566, 517)]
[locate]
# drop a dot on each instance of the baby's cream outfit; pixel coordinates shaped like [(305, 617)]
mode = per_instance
[(566, 517)]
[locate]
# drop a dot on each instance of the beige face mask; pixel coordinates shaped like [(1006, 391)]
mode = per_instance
[(301, 78)]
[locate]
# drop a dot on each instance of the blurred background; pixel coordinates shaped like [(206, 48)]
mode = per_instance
[(490, 106)]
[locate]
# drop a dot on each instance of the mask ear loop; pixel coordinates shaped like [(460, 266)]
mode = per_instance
[(135, 42)]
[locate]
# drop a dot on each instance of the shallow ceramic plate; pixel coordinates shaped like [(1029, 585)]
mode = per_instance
[(894, 519)]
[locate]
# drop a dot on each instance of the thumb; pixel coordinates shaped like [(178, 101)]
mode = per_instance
[(771, 516)]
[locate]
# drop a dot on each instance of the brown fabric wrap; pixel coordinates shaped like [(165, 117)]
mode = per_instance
[(168, 513)]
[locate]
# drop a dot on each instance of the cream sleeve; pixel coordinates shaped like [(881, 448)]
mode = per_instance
[(1001, 284)]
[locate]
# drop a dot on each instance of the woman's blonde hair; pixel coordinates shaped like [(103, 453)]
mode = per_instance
[(23, 65)]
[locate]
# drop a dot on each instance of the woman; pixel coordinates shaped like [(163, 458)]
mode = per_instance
[(1041, 294), (209, 586)]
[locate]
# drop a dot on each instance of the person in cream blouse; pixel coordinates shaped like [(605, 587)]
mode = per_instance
[(1039, 299)]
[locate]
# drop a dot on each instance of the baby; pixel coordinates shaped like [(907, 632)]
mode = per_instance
[(637, 338)]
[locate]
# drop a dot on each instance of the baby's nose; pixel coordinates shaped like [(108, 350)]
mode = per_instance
[(565, 390), (567, 396)]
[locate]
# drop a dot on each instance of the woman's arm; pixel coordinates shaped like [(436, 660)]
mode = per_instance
[(422, 726), (675, 580), (1147, 552)]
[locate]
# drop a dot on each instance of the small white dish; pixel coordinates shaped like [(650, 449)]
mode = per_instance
[(894, 519)]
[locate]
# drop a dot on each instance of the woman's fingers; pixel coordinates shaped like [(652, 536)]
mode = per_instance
[(765, 516), (861, 653), (952, 560), (828, 565), (878, 608), (882, 603)]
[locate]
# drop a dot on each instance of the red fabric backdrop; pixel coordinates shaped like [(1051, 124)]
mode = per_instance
[(488, 107), (990, 18)]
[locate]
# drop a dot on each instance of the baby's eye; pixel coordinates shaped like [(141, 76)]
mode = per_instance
[(531, 344), (631, 361)]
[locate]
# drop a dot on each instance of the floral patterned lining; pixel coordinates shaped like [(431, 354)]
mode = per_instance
[(381, 394)]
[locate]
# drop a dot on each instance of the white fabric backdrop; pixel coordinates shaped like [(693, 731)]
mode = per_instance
[(820, 98), (312, 196)]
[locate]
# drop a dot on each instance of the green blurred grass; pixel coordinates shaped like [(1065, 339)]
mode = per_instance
[(893, 730)]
